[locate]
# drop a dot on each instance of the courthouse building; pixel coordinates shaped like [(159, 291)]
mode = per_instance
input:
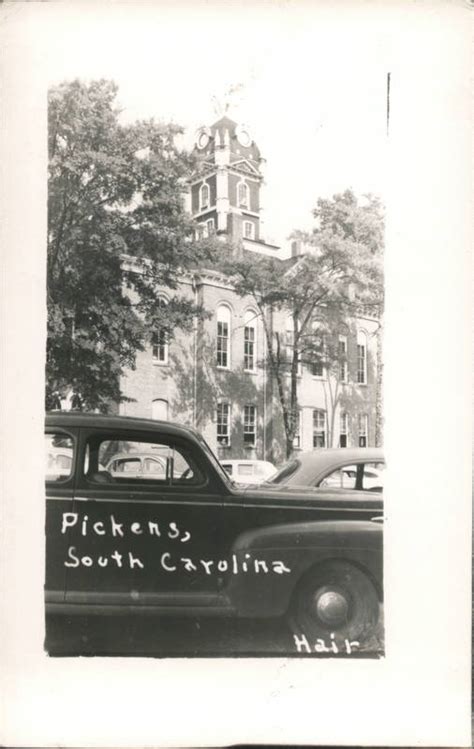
[(217, 378)]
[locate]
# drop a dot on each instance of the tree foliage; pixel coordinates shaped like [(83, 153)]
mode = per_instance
[(115, 190), (337, 276)]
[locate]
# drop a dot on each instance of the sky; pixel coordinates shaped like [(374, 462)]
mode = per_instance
[(311, 83)]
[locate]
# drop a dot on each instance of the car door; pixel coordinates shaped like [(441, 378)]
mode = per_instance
[(139, 537)]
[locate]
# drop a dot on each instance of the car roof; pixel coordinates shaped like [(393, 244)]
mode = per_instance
[(328, 456), (105, 421)]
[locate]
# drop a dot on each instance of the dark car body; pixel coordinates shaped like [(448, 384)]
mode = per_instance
[(190, 542)]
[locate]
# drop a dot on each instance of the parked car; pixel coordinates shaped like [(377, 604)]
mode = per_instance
[(189, 541), (248, 471), (358, 468)]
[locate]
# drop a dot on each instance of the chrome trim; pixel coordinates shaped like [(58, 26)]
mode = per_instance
[(139, 500), (217, 503)]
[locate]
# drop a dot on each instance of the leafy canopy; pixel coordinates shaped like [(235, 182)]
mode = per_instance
[(115, 190)]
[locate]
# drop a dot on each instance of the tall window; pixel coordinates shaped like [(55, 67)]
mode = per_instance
[(159, 342), (249, 341), (223, 424), (249, 230), (361, 358), (317, 366), (223, 336), (204, 196), (343, 429), (210, 227), (250, 419), (343, 358), (243, 195), (363, 429), (319, 428)]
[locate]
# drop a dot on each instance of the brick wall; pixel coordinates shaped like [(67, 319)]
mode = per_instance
[(193, 384)]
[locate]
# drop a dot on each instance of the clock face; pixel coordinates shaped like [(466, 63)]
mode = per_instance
[(202, 139), (243, 136)]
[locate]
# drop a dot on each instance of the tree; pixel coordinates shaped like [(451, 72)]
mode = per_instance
[(338, 275), (362, 222), (115, 192)]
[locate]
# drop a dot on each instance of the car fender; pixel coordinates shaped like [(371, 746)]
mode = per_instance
[(290, 551)]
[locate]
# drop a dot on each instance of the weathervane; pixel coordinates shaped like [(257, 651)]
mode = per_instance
[(231, 98)]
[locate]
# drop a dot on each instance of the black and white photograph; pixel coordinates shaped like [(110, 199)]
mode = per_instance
[(243, 443), (214, 369)]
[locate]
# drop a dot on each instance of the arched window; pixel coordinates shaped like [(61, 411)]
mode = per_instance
[(204, 196), (361, 358), (223, 336), (159, 341), (250, 341), (250, 425), (159, 409), (223, 424), (243, 195)]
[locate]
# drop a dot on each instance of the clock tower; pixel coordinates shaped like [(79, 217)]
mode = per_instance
[(226, 190)]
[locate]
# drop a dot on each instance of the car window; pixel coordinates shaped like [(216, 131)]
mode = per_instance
[(343, 478), (59, 449), (125, 465), (129, 461), (362, 476), (245, 469), (155, 467)]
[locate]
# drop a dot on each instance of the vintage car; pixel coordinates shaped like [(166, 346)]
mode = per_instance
[(248, 471), (188, 541), (360, 468)]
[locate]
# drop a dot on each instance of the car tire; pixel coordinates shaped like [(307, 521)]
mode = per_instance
[(335, 602)]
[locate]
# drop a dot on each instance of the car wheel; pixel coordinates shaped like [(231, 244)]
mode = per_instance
[(335, 602)]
